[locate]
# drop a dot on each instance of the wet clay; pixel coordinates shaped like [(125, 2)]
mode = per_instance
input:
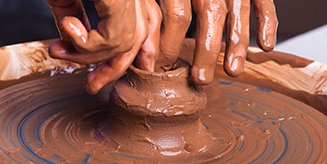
[(53, 119), (158, 115)]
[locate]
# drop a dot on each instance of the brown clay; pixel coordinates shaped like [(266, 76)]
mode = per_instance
[(157, 115), (53, 120)]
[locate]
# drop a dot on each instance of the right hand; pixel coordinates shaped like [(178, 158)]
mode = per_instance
[(212, 16)]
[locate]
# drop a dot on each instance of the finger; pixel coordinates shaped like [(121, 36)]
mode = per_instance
[(66, 51), (75, 30), (150, 49), (110, 71), (210, 25), (177, 16), (74, 8), (107, 73), (267, 23), (84, 41), (237, 36)]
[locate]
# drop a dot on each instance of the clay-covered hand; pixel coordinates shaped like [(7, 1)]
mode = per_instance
[(126, 29), (211, 18)]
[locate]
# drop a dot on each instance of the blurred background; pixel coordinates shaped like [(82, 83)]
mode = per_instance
[(30, 20)]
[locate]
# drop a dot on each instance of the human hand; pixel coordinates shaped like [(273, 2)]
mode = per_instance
[(126, 28), (211, 18)]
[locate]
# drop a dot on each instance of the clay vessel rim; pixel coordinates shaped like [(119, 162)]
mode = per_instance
[(181, 70)]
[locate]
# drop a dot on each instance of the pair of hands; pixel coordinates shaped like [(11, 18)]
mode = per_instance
[(130, 30)]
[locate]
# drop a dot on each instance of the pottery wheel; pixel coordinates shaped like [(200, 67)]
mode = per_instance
[(53, 120)]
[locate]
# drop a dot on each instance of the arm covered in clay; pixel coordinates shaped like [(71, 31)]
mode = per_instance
[(211, 18), (127, 29)]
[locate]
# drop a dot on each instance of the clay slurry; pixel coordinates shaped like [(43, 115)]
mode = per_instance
[(54, 120)]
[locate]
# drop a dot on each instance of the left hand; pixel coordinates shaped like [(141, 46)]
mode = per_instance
[(83, 45)]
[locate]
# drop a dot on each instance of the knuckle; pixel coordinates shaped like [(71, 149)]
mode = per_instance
[(120, 45), (114, 43), (179, 16), (218, 7)]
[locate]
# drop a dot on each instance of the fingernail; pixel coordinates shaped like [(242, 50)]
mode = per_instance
[(237, 66)]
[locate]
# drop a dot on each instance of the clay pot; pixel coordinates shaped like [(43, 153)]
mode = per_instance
[(157, 114)]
